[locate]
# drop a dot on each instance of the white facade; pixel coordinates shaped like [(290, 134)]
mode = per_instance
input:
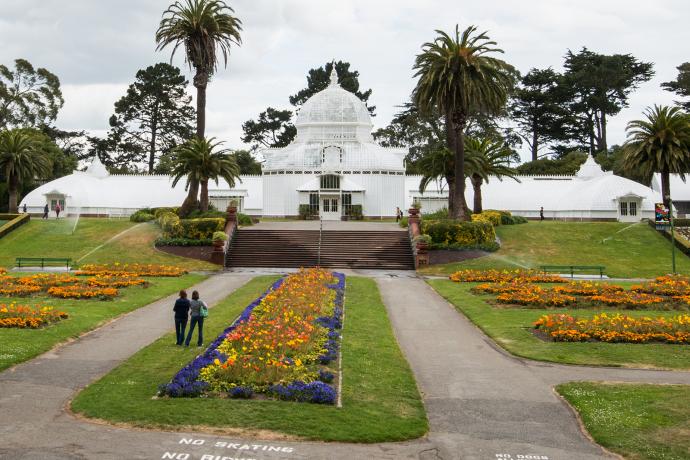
[(334, 164)]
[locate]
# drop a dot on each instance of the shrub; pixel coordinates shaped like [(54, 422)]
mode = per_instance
[(437, 215), (211, 213), (422, 239), (219, 236), (492, 217), (158, 211), (460, 235), (199, 229), (356, 211), (141, 216), (304, 211), (182, 242), (244, 220), (403, 222), (519, 220)]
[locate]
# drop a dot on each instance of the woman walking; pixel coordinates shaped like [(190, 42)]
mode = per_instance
[(181, 310), (199, 311)]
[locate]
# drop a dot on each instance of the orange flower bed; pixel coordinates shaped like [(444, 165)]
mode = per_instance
[(617, 328), (117, 269), (532, 295), (23, 316), (82, 292), (504, 276), (496, 288), (47, 280), (588, 288), (669, 285), (115, 281), (3, 271), (9, 289), (627, 298)]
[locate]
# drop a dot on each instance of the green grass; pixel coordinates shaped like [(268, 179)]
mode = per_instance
[(626, 251), (54, 238), (18, 345), (640, 422), (511, 329), (380, 398)]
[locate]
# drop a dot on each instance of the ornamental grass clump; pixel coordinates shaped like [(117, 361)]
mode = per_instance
[(24, 316), (615, 328), (281, 346)]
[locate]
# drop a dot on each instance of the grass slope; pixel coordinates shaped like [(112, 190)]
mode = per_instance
[(511, 329), (640, 422), (380, 397), (54, 238), (626, 250), (17, 345)]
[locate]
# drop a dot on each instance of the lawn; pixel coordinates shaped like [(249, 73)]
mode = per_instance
[(650, 422), (381, 401), (626, 250), (54, 238), (511, 329), (17, 345)]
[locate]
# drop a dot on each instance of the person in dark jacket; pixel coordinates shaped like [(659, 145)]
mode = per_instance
[(45, 212), (198, 311), (181, 310)]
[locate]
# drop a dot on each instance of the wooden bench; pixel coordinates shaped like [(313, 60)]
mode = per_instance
[(43, 262), (572, 269)]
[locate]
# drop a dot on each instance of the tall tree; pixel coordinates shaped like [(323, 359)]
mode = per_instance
[(459, 77), (566, 164), (492, 159), (153, 116), (20, 161), (681, 85), (200, 160), (273, 128), (660, 143), (203, 27), (538, 109), (29, 97), (599, 87), (246, 162)]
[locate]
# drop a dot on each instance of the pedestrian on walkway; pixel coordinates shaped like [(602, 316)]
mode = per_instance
[(24, 208), (199, 311), (57, 211), (181, 310), (398, 214), (541, 214), (45, 211)]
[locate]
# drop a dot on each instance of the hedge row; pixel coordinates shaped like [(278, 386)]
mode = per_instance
[(193, 229), (456, 234)]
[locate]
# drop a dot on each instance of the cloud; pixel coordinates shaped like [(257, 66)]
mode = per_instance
[(96, 47)]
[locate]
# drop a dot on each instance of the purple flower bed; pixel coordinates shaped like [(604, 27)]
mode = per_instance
[(186, 384)]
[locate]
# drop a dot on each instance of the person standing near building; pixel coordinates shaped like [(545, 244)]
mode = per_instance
[(24, 208), (45, 211), (57, 211), (541, 213), (181, 310), (398, 214)]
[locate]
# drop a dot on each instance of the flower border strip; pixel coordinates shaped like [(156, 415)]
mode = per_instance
[(185, 382)]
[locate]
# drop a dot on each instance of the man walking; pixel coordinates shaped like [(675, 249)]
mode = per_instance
[(45, 211), (541, 214)]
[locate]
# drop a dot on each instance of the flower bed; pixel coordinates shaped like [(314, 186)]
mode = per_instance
[(531, 295), (669, 285), (627, 299), (117, 269), (281, 346), (24, 316), (496, 288), (504, 276), (617, 328), (82, 292), (588, 288), (116, 281)]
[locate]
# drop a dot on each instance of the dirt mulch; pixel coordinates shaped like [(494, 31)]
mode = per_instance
[(444, 256), (191, 252)]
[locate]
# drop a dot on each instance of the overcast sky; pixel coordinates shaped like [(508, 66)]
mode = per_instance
[(95, 47)]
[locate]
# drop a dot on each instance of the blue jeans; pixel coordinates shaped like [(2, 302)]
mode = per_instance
[(180, 326), (200, 321)]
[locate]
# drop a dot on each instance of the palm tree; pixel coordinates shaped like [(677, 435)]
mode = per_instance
[(492, 159), (20, 161), (200, 160), (659, 143), (203, 27), (458, 78)]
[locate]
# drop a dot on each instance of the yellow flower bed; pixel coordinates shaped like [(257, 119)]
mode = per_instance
[(24, 316), (82, 292), (117, 269), (616, 328), (504, 276), (531, 295)]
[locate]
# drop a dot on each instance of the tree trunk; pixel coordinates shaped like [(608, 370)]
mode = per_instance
[(666, 188), (451, 194), (603, 145), (13, 191), (535, 143), (200, 82), (191, 202), (477, 187), (154, 134), (458, 122), (203, 200)]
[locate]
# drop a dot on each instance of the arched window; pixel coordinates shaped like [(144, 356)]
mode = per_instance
[(330, 182)]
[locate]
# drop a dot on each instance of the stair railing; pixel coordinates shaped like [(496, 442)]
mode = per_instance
[(318, 259)]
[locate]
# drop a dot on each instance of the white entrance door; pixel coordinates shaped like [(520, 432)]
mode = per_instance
[(330, 207)]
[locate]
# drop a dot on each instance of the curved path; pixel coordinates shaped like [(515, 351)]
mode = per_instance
[(481, 402)]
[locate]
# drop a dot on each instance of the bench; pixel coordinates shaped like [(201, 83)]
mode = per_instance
[(572, 269), (43, 262)]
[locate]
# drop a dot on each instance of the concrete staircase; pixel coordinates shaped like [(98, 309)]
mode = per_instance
[(339, 249)]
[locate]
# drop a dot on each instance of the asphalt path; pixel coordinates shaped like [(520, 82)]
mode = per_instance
[(482, 403)]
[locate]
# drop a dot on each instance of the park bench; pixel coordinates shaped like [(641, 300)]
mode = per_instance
[(572, 269), (43, 262)]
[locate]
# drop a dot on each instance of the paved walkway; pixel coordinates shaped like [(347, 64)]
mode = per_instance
[(481, 402)]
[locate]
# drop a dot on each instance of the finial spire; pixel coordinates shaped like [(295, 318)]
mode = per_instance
[(334, 76)]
